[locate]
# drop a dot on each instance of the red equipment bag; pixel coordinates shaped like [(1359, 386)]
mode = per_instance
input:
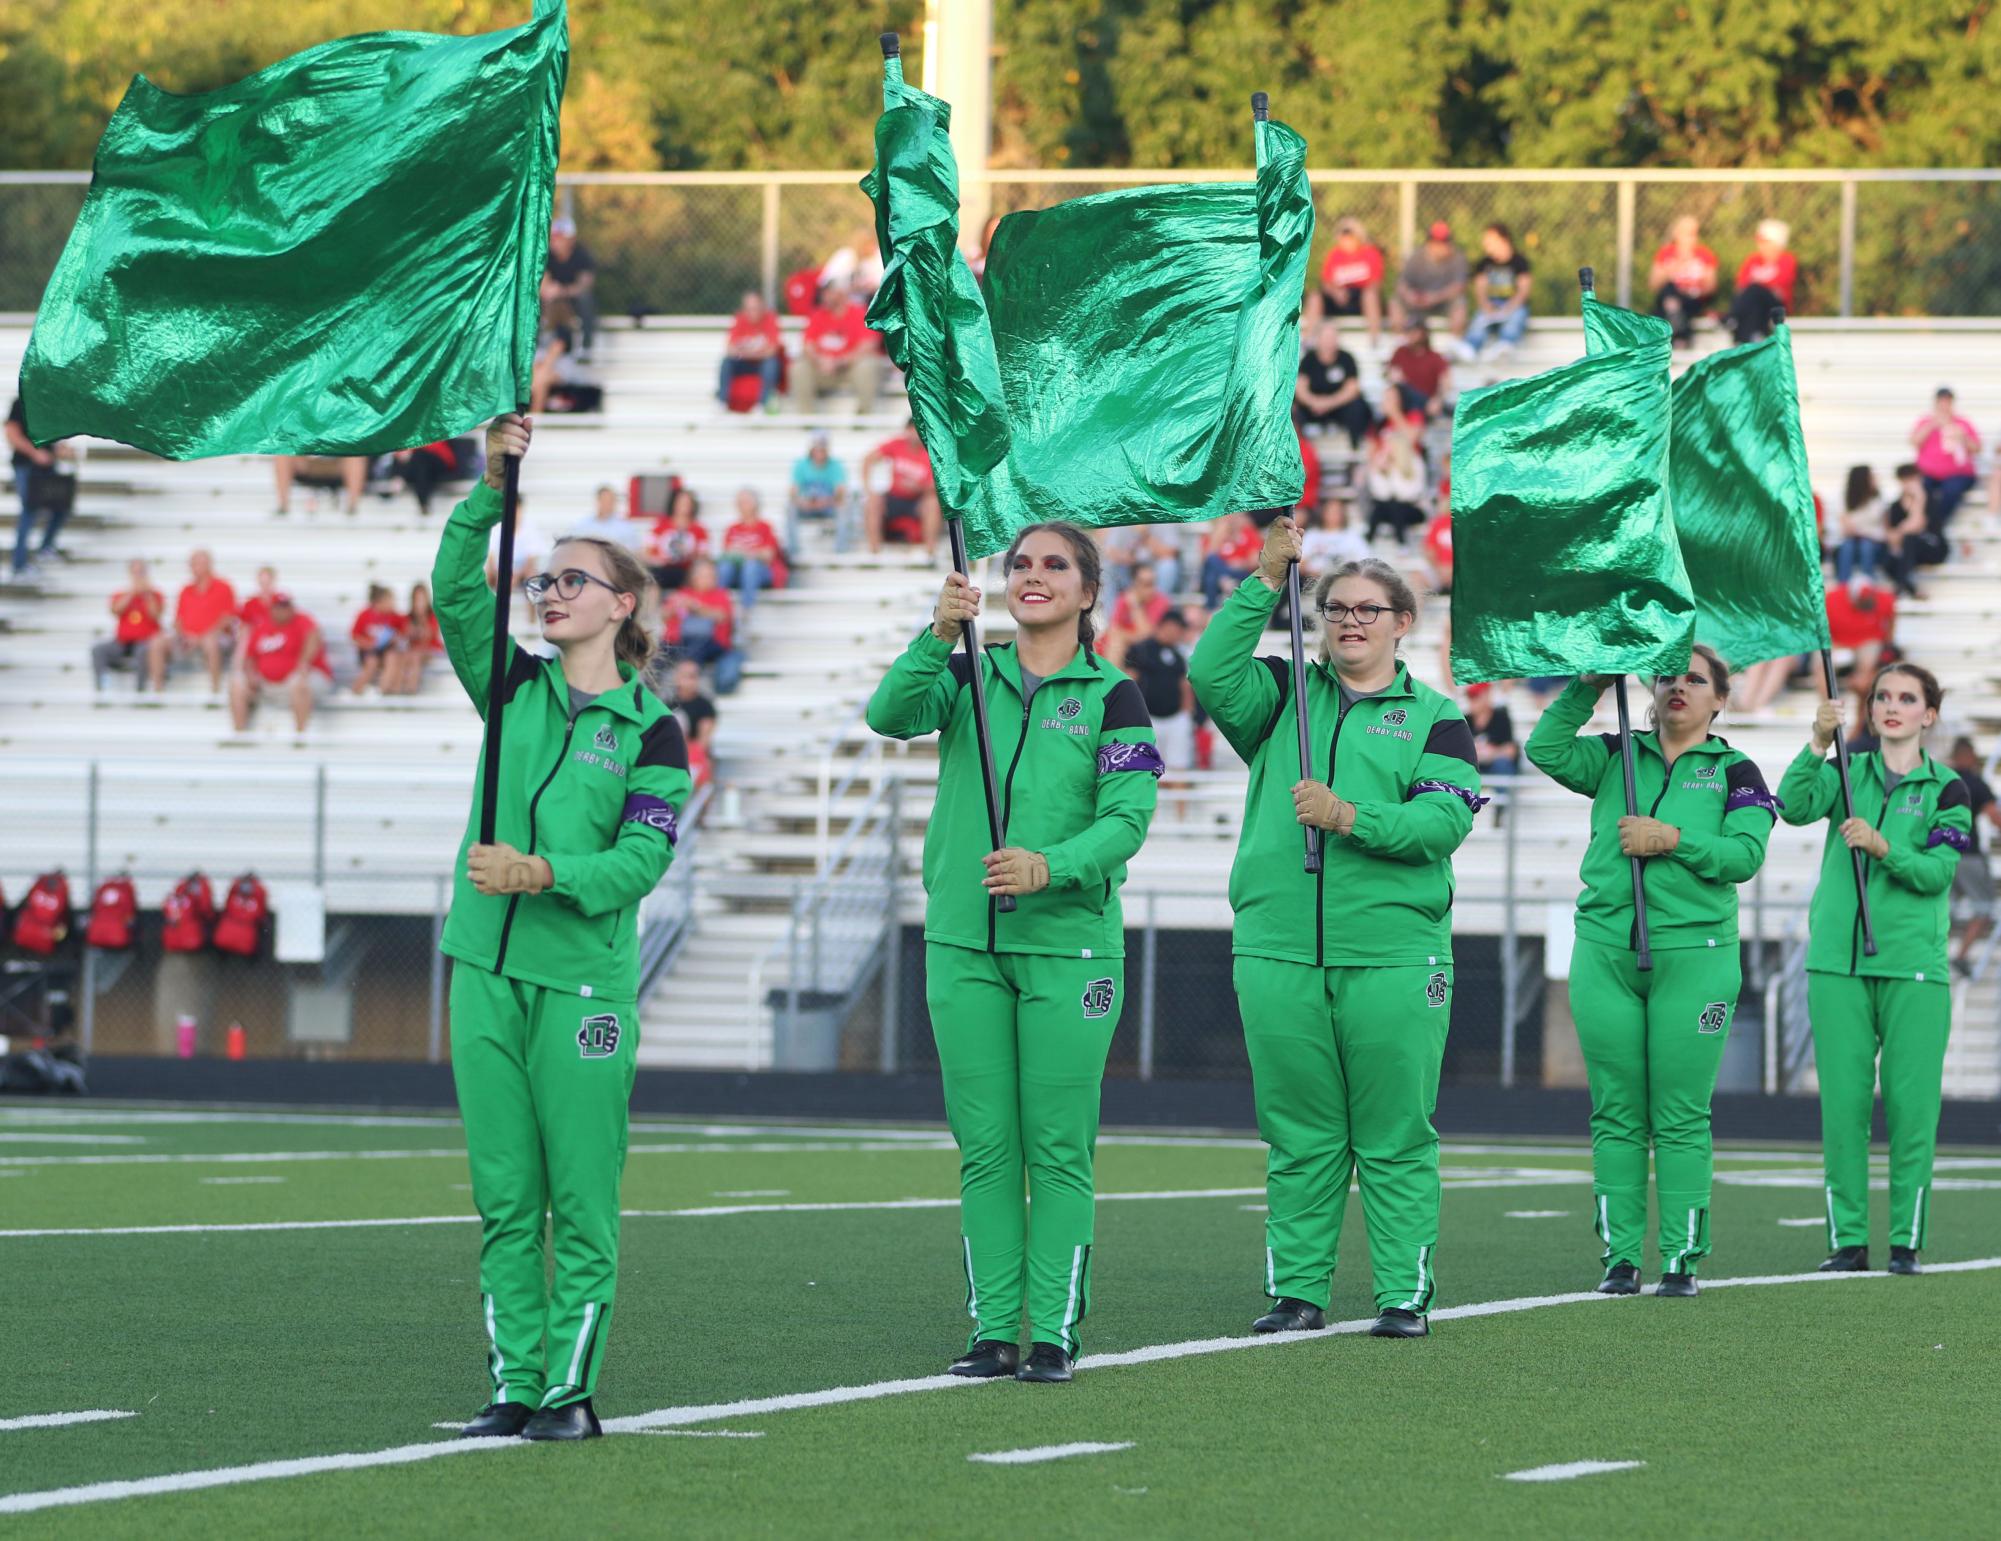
[(243, 915), (113, 911), (188, 913), (45, 915)]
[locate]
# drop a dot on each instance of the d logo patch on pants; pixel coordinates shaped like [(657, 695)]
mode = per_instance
[(1435, 989), (1099, 995), (597, 1037), (1715, 1017)]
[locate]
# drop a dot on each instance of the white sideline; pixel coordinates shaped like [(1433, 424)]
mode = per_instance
[(18, 1138), (60, 1420), (1568, 1470), (1046, 1453), (259, 1158), (670, 1417)]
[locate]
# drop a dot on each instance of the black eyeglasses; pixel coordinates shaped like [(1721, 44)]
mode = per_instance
[(1362, 615), (568, 584)]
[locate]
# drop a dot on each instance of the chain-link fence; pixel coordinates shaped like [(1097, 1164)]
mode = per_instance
[(1869, 243)]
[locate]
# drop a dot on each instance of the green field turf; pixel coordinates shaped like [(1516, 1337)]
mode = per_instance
[(1826, 1407)]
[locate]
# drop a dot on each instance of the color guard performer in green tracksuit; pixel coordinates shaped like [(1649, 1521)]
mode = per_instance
[(1344, 979), (1023, 1003), (1653, 1041), (544, 938), (1912, 820)]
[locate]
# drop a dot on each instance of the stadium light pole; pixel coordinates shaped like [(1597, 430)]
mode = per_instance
[(959, 66)]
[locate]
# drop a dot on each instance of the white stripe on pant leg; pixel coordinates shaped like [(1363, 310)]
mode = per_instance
[(1417, 1295), (499, 1364), (1917, 1218), (1070, 1306), (1271, 1274), (576, 1355), (972, 1289), (1833, 1238)]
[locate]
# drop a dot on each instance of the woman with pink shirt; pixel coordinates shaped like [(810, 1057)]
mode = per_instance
[(1947, 450)]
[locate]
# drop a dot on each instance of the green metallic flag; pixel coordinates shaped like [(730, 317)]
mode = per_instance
[(1144, 342), (1743, 506), (339, 255), (1563, 543)]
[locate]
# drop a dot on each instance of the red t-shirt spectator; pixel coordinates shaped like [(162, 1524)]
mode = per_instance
[(835, 338), (1850, 625), (670, 546), (1241, 549), (1776, 273), (1695, 269), (1422, 369), (198, 611), (1309, 460), (1939, 455), (374, 629), (1127, 617), (1438, 543), (763, 329), (711, 599), (754, 538), (423, 632), (256, 610), (1355, 269), (275, 650), (138, 614), (909, 468)]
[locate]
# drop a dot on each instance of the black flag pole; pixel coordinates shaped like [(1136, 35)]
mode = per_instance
[(1260, 113), (1587, 283), (503, 604), (1848, 805), (955, 530)]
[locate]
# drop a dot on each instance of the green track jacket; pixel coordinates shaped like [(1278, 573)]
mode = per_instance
[(1713, 794), (597, 796), (1928, 821), (1403, 758), (1076, 768)]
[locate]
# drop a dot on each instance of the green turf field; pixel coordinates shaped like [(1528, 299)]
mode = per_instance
[(200, 1271)]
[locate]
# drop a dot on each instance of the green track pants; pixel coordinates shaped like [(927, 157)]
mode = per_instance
[(1344, 1066), (1908, 1021), (1652, 1044), (543, 1082), (1022, 1040)]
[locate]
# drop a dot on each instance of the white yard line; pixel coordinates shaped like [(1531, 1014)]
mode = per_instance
[(229, 1182), (1538, 1214), (1046, 1453), (61, 1420), (753, 1193), (671, 1417), (1803, 1221), (703, 1148), (703, 1433), (1568, 1470), (73, 1139)]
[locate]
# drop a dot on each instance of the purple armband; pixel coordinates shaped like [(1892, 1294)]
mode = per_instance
[(654, 813), (1122, 756)]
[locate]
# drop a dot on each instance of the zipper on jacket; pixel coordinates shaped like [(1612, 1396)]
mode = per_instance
[(1667, 780), (1855, 931), (1320, 877), (1007, 812), (514, 900)]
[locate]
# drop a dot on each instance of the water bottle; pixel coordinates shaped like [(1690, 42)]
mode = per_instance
[(184, 1036)]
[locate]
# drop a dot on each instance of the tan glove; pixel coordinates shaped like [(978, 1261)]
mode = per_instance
[(1016, 872), (1315, 805), (500, 869), (1642, 836)]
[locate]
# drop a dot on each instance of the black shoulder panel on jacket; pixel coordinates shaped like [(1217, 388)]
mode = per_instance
[(961, 667), (1451, 737), (522, 666), (1744, 773), (1125, 707), (1611, 743), (663, 744), (1954, 795)]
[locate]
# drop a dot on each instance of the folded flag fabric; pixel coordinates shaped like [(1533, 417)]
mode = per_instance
[(1134, 358), (1563, 541), (339, 255)]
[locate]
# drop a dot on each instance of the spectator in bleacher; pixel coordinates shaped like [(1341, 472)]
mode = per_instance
[(1758, 685), (258, 606), (1765, 279), (1432, 283), (1159, 662), (1351, 279), (1860, 550), (676, 540), (699, 623), (901, 503), (1329, 388), (607, 520), (204, 623), (570, 277), (1397, 477), (1134, 613), (1160, 544), (698, 718), (754, 348), (32, 467), (1948, 448), (347, 472), (1494, 747), (1501, 285), (752, 558), (820, 490), (1973, 878), (531, 549), (1230, 555), (427, 467), (559, 382), (403, 671), (1330, 540), (139, 608), (1438, 546), (1908, 533), (855, 267), (377, 633), (1684, 278), (282, 659), (1862, 617), (1421, 374), (837, 347)]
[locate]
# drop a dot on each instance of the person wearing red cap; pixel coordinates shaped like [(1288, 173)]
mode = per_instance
[(1432, 283)]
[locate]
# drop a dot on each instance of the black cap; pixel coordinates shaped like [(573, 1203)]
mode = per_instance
[(891, 47), (1260, 106)]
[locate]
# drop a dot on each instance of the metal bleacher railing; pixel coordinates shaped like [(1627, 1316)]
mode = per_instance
[(1869, 243)]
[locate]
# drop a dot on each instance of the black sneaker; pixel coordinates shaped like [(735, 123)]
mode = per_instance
[(498, 1420), (1682, 1284), (1904, 1260), (1846, 1260), (1620, 1279), (1291, 1315), (986, 1359), (1046, 1362), (1396, 1322), (574, 1420)]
